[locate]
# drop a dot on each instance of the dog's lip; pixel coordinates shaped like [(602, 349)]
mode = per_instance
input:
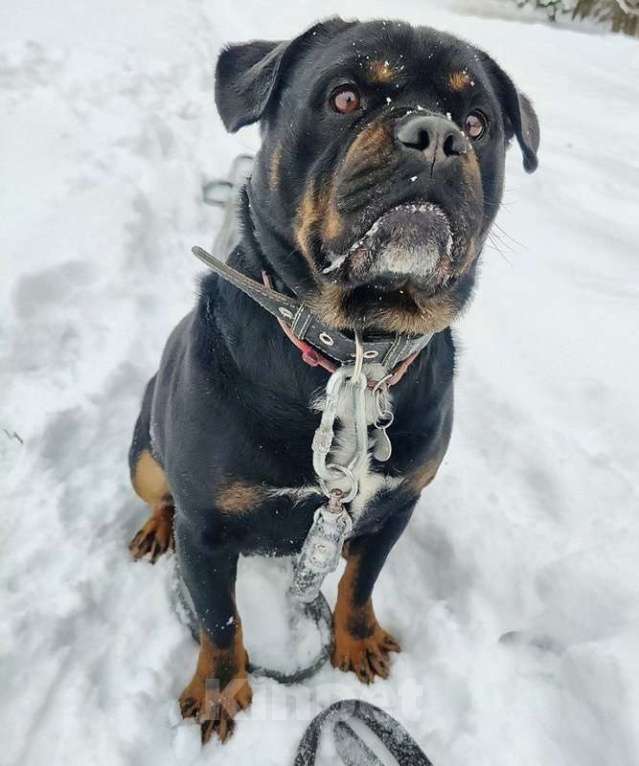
[(414, 206), (428, 269)]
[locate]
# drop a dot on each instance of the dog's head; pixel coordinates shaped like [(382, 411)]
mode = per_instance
[(381, 166)]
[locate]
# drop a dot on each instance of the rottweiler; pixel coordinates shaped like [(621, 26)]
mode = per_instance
[(380, 172)]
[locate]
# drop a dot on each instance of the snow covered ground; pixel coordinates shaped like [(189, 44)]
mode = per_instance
[(519, 606)]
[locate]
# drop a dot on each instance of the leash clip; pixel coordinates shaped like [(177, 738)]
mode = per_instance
[(322, 548)]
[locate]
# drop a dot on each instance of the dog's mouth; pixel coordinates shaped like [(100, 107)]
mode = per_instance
[(411, 243)]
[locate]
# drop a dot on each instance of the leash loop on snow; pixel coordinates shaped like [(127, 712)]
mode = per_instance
[(350, 747)]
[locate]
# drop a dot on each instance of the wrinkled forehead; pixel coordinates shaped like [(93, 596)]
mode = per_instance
[(394, 56)]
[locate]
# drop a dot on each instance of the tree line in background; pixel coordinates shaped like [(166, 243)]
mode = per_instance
[(620, 15)]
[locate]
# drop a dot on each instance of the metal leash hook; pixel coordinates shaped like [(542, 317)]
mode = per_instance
[(322, 548), (332, 523)]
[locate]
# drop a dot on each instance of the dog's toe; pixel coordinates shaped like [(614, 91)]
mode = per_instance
[(367, 657), (155, 537)]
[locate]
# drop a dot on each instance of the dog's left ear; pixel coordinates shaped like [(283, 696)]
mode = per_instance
[(519, 116), (247, 74)]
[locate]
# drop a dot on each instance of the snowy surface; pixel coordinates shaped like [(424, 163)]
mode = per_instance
[(515, 590)]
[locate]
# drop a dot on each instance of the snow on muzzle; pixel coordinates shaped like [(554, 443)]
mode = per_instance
[(407, 241)]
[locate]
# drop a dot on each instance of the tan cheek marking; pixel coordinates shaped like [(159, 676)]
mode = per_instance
[(313, 211), (472, 171), (370, 149), (276, 161), (333, 223), (459, 80), (239, 497), (367, 147), (472, 180), (305, 220), (328, 304)]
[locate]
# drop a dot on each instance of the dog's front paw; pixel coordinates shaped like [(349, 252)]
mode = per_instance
[(156, 536), (366, 657), (214, 708), (219, 689)]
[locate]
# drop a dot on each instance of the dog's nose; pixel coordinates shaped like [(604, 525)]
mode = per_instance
[(437, 138)]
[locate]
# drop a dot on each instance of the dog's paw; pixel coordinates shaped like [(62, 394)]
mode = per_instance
[(366, 657), (156, 536), (215, 709)]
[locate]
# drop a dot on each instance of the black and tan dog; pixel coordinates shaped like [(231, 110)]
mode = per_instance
[(379, 176)]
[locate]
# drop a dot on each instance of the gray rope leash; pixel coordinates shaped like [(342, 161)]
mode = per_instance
[(352, 750)]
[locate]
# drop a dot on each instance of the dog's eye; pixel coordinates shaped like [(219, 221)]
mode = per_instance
[(475, 125), (345, 99)]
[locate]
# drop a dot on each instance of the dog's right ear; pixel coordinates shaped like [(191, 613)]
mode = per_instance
[(245, 78), (247, 74)]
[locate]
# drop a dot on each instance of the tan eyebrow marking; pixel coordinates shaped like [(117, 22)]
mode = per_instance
[(459, 80), (381, 71)]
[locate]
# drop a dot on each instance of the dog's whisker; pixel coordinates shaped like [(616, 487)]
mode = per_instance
[(492, 243), (514, 241)]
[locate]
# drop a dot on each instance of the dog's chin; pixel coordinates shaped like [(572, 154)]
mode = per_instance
[(409, 245)]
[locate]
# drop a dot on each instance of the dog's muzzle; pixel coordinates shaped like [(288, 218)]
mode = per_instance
[(406, 242)]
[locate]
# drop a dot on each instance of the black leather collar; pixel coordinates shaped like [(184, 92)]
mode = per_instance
[(389, 350)]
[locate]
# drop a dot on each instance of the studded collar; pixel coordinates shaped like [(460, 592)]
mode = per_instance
[(320, 344)]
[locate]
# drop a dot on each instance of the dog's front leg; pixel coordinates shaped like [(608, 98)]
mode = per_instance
[(359, 643), (220, 686)]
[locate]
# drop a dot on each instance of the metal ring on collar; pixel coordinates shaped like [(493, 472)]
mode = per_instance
[(326, 339)]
